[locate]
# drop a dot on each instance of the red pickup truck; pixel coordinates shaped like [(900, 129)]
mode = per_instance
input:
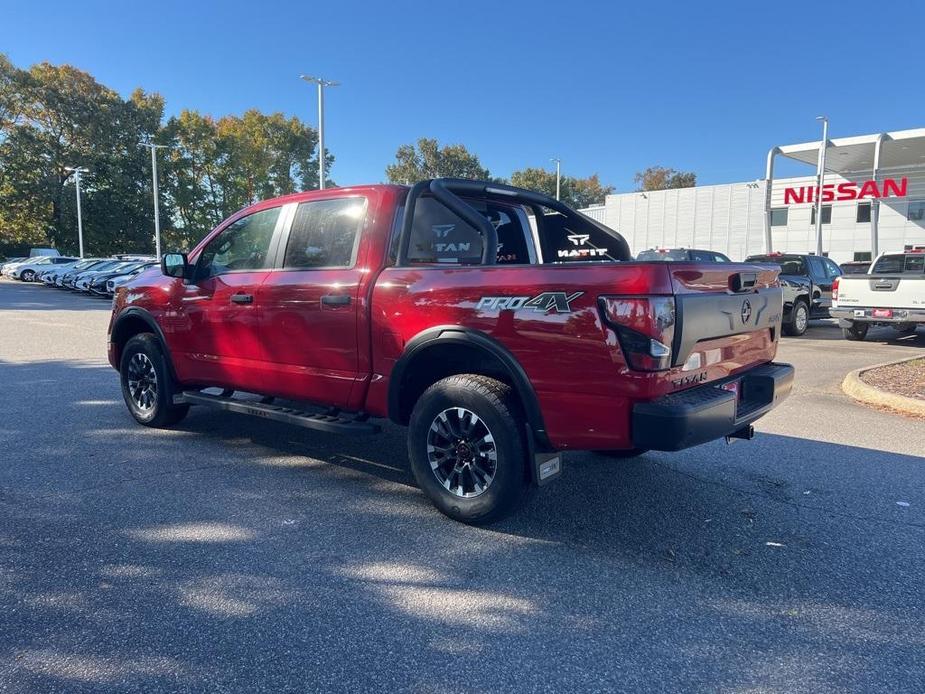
[(500, 326)]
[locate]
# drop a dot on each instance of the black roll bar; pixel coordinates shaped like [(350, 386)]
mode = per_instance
[(447, 191)]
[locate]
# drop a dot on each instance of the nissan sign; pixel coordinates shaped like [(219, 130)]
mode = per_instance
[(849, 190)]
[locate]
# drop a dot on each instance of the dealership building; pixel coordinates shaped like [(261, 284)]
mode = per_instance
[(873, 200)]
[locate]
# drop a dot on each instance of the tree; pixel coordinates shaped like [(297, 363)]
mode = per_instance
[(428, 160), (574, 192), (663, 178), (215, 167)]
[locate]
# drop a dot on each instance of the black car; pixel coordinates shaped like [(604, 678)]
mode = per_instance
[(99, 285), (683, 255), (807, 280)]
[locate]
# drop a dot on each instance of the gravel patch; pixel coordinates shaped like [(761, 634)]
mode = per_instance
[(907, 378)]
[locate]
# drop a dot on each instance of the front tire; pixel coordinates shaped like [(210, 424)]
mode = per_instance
[(905, 328), (147, 386), (799, 319), (27, 276), (466, 446), (856, 333)]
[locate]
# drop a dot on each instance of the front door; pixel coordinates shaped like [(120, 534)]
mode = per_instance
[(219, 310), (309, 307)]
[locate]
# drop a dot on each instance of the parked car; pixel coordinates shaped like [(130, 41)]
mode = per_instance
[(807, 282), (72, 278), (683, 255), (496, 362), (113, 284), (83, 281), (27, 270), (55, 276), (99, 285), (855, 267), (9, 263), (892, 294)]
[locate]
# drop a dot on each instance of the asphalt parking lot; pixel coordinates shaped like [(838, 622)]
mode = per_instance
[(234, 554)]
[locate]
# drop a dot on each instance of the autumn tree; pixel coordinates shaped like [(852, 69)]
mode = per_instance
[(427, 159), (574, 192), (663, 178)]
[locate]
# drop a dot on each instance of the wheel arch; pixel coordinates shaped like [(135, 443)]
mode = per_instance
[(134, 321), (444, 351)]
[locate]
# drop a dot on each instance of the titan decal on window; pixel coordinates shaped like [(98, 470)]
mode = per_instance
[(557, 302), (581, 241), (442, 231)]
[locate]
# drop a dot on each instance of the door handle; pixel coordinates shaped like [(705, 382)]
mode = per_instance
[(242, 298), (335, 300)]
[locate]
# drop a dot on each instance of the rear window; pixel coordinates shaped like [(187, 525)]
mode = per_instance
[(670, 254), (900, 263), (789, 264)]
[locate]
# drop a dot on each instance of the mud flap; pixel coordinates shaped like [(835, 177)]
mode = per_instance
[(544, 467)]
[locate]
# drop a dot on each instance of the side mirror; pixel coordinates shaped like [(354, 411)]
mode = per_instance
[(175, 265)]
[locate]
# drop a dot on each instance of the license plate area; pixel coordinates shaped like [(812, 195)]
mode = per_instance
[(734, 387)]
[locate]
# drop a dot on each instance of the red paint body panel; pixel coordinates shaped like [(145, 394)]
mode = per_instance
[(289, 344)]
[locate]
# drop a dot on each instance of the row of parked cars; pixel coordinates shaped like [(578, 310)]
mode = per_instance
[(94, 276)]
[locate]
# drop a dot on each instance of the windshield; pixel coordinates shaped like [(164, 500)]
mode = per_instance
[(789, 264), (669, 254), (900, 263)]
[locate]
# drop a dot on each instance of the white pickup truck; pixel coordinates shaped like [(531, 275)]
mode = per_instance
[(891, 293)]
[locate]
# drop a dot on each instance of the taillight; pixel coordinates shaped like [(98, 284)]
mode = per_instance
[(644, 327), (835, 289)]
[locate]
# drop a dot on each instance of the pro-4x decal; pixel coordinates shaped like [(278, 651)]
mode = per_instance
[(557, 302)]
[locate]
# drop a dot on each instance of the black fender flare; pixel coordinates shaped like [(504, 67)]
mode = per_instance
[(138, 313), (454, 334)]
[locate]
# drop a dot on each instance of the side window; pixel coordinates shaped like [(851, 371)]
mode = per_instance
[(325, 233), (832, 269), (569, 241), (816, 268), (438, 235), (241, 246), (720, 258)]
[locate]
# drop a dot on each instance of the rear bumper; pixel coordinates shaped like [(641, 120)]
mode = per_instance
[(865, 314), (708, 412)]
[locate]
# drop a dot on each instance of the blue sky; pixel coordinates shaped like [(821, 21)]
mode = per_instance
[(610, 88)]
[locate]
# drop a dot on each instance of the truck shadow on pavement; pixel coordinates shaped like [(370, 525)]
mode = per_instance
[(828, 330), (239, 553)]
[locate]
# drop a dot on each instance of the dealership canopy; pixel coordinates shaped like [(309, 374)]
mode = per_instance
[(866, 155)]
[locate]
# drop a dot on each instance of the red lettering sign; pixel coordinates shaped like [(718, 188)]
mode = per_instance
[(848, 190)]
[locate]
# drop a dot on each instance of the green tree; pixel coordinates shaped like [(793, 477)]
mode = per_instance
[(574, 192), (663, 178), (63, 117), (427, 159)]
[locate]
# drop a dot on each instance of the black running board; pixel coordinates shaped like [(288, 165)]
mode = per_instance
[(331, 423)]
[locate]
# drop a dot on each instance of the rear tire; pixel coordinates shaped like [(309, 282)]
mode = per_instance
[(856, 333), (905, 328), (467, 450), (147, 386), (799, 319)]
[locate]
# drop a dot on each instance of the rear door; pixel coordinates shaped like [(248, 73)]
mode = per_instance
[(310, 305)]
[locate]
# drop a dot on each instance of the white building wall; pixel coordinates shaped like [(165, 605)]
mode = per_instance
[(730, 218)]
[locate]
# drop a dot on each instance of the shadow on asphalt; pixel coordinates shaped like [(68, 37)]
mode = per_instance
[(223, 552), (829, 330)]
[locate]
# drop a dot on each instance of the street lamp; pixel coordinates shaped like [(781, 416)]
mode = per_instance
[(322, 83), (77, 170), (558, 177), (820, 177), (157, 216)]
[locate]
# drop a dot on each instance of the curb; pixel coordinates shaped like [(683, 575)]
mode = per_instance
[(864, 392)]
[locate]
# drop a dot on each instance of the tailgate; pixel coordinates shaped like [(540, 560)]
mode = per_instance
[(720, 306), (876, 291)]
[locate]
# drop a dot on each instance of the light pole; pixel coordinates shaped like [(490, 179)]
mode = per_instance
[(820, 177), (77, 170), (322, 83), (558, 177), (157, 215)]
